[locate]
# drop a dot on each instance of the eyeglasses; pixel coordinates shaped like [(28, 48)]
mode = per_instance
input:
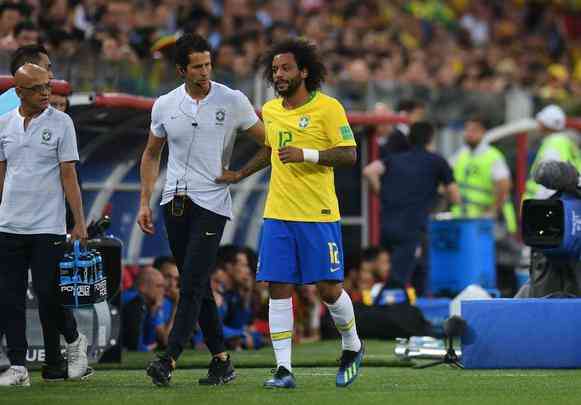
[(39, 88)]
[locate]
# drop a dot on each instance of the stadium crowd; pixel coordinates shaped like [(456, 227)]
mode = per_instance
[(482, 46)]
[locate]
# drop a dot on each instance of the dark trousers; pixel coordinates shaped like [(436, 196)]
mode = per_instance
[(402, 248), (194, 238), (40, 253)]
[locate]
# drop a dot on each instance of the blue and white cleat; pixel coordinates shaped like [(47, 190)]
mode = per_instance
[(282, 378), (350, 365)]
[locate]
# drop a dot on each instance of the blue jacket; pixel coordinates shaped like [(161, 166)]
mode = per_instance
[(9, 101)]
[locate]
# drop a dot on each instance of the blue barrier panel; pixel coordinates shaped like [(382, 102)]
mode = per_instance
[(527, 333)]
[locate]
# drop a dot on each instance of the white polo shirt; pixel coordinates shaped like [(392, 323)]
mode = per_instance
[(200, 137), (33, 200)]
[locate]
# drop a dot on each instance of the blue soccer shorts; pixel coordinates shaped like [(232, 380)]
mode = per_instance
[(295, 252)]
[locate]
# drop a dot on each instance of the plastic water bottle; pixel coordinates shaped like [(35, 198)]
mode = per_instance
[(99, 266), (66, 269), (84, 266)]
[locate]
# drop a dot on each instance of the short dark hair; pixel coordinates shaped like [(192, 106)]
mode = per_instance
[(421, 133), (251, 256), (161, 260), (13, 6), (187, 44), (409, 105), (306, 56), (24, 26), (371, 253), (479, 118), (226, 254), (26, 54)]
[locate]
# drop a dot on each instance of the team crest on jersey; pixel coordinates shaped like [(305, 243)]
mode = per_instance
[(220, 116), (304, 122), (46, 135)]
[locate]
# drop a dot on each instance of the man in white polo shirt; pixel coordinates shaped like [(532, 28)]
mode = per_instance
[(9, 100), (38, 152), (199, 121)]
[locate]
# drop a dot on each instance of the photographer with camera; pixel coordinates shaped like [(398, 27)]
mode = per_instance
[(557, 145)]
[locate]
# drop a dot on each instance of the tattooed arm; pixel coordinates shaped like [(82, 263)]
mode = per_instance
[(334, 157), (260, 160), (340, 156)]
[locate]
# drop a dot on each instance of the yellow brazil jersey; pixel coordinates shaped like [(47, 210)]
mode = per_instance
[(304, 191)]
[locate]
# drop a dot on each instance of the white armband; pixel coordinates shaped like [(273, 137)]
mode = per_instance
[(311, 155)]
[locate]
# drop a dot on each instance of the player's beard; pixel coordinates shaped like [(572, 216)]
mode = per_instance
[(291, 88)]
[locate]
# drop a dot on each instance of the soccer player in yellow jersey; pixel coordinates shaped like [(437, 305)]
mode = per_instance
[(307, 135)]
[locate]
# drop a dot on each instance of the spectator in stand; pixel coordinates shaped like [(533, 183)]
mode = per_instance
[(59, 102), (409, 49), (142, 316), (307, 313), (168, 268), (26, 33), (11, 14), (379, 262), (373, 272), (238, 303)]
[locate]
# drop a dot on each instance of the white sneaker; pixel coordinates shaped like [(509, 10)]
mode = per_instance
[(17, 376), (77, 357)]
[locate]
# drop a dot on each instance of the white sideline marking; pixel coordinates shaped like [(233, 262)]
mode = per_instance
[(315, 374), (510, 375)]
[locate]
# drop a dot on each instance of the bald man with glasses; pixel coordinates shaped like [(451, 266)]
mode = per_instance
[(38, 152)]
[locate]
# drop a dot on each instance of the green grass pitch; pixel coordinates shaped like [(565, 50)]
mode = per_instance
[(383, 380)]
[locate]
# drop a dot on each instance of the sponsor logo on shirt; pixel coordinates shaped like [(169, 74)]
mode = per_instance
[(220, 116)]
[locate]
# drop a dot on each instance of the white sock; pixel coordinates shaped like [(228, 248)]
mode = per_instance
[(21, 369), (280, 321), (344, 318)]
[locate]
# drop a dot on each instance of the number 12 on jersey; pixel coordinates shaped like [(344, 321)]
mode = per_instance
[(284, 138), (333, 253)]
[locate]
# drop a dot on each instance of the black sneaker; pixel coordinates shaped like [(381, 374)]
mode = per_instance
[(282, 378), (58, 372), (160, 370), (219, 372)]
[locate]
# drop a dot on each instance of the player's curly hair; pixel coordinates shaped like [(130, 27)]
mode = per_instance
[(307, 57)]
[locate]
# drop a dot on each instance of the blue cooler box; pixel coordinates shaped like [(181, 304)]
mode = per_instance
[(461, 253)]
